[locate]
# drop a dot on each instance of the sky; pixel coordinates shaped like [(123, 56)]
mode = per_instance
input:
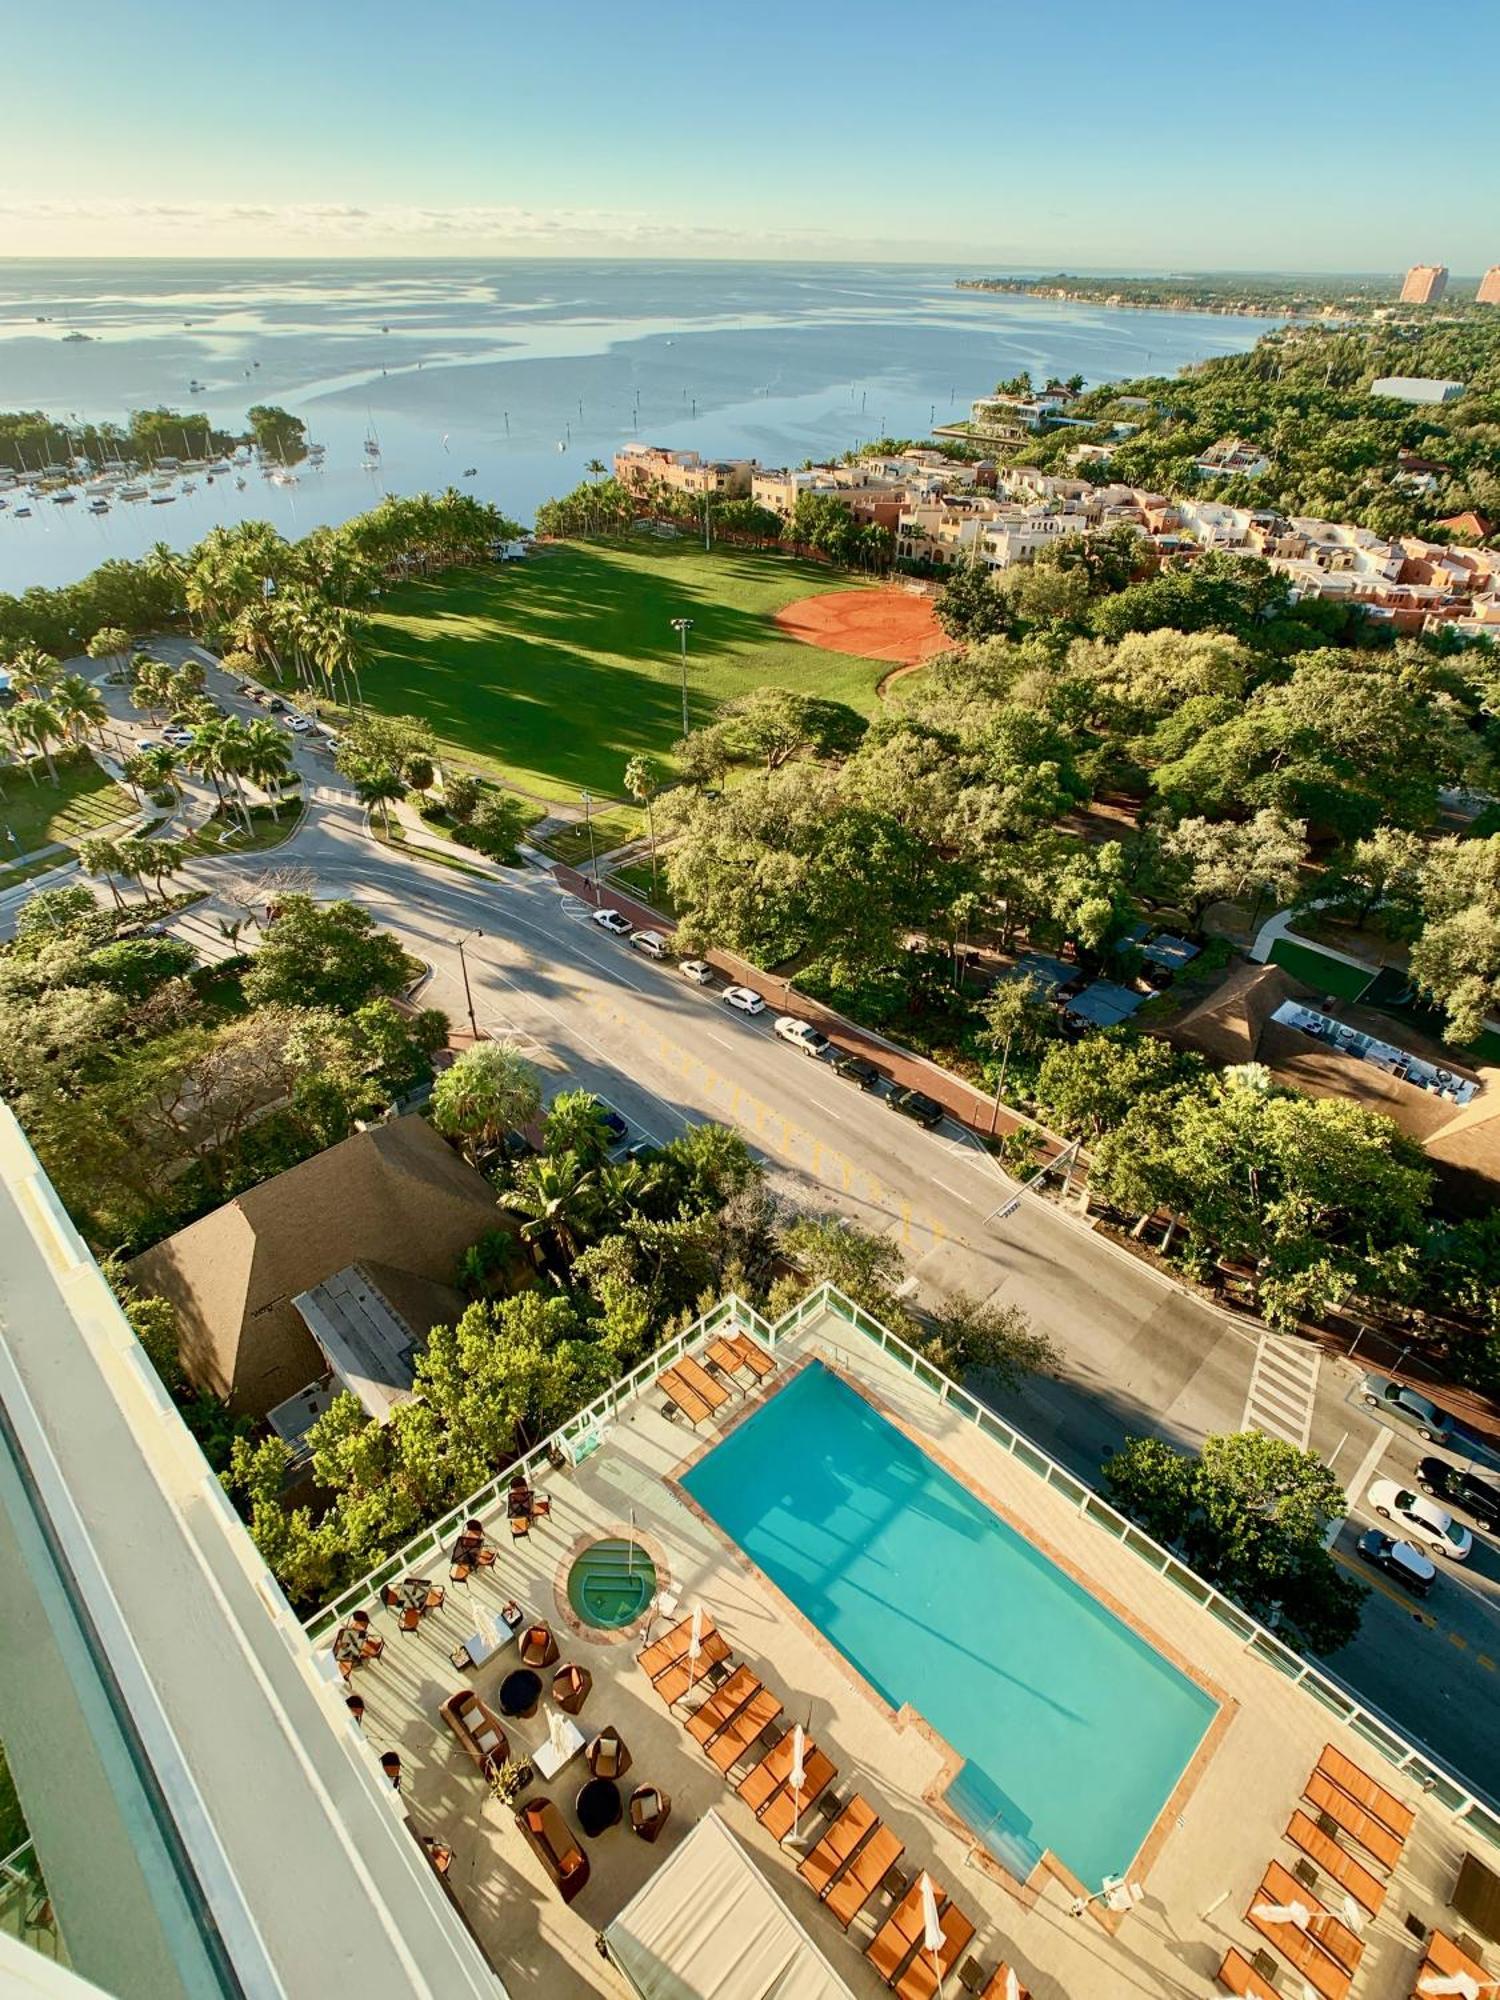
[(1313, 135)]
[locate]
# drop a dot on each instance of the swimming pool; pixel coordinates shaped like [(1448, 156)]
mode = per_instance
[(1074, 1728)]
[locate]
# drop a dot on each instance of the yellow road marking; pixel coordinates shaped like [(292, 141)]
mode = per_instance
[(1458, 1639), (1485, 1661), (1393, 1591)]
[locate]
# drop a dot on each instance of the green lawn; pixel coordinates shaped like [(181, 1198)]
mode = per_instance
[(612, 828), (81, 804), (1318, 970), (554, 671)]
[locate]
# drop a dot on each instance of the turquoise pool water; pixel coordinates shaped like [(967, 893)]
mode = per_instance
[(1073, 1728)]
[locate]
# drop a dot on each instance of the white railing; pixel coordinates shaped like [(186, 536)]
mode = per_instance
[(587, 1426)]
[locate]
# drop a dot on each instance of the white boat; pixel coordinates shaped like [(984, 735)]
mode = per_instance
[(283, 478), (369, 465), (189, 486), (162, 499), (219, 465), (64, 499), (132, 492), (241, 483), (23, 514), (98, 506)]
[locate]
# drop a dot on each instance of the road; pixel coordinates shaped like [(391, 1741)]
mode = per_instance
[(1140, 1355)]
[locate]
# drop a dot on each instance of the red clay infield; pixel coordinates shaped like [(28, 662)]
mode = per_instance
[(876, 624)]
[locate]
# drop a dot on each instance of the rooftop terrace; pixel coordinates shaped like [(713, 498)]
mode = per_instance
[(1208, 1859)]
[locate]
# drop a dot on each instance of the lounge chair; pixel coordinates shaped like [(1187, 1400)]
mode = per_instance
[(693, 1372), (1337, 1806), (1238, 1975), (478, 1729), (1397, 1818), (550, 1838), (995, 1987), (837, 1848), (684, 1396), (730, 1744), (722, 1705), (1317, 1967), (901, 1933), (1352, 1876), (719, 1354), (1446, 1959), (763, 1780), (786, 1808), (922, 1977), (664, 1652), (864, 1875), (1326, 1930), (685, 1675), (753, 1355)]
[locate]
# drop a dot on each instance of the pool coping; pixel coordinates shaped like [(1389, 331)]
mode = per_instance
[(1026, 1889)]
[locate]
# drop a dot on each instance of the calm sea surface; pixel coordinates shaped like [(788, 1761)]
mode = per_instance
[(522, 370)]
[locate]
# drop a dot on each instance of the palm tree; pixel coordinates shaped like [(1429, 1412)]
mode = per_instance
[(487, 1091), (33, 672), (236, 754), (267, 760), (377, 787), (102, 857), (80, 707), (596, 468), (643, 781), (559, 1198), (34, 724), (158, 769)]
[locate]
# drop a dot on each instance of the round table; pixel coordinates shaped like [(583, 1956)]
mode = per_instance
[(520, 1692), (598, 1806)]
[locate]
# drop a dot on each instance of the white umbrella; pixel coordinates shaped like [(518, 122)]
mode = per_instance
[(797, 1777), (695, 1645), (932, 1928), (1353, 1915), (1284, 1913), (1464, 1984), (1012, 1985)]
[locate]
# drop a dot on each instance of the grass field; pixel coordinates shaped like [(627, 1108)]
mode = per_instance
[(555, 671), (82, 804)]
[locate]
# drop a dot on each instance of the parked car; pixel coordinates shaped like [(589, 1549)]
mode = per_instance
[(249, 688), (615, 1128), (801, 1034), (743, 999), (179, 738), (697, 971), (652, 943), (1399, 1561), (613, 922), (1395, 1399), (146, 743), (298, 724), (854, 1069), (276, 705), (1424, 1520), (913, 1104), (1461, 1489)]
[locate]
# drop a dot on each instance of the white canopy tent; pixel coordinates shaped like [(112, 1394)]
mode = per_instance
[(708, 1926)]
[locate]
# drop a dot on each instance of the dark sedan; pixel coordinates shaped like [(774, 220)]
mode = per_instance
[(1457, 1488), (854, 1069), (912, 1104)]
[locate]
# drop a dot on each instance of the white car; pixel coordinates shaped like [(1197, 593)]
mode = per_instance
[(1424, 1520), (298, 724), (744, 999), (613, 922), (180, 739), (697, 971), (801, 1034), (652, 943)]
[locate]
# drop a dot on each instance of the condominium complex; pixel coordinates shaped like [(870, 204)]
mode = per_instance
[(1425, 284), (1489, 287), (643, 466)]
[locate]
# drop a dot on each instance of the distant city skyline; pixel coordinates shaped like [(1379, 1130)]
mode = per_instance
[(1012, 137)]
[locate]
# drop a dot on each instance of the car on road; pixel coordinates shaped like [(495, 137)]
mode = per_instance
[(914, 1104), (1399, 1561), (145, 743), (1423, 1519), (697, 971), (854, 1069), (744, 999), (276, 705), (180, 739), (1407, 1406), (1461, 1489), (298, 724), (613, 922), (249, 688), (801, 1034), (652, 943)]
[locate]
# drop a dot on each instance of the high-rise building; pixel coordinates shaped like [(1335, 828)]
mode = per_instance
[(1425, 284), (1489, 287)]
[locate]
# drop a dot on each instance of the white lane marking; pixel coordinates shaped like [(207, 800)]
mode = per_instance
[(953, 1191), (1367, 1465), (1283, 1388)]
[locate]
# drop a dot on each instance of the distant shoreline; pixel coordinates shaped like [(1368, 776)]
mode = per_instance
[(1118, 302)]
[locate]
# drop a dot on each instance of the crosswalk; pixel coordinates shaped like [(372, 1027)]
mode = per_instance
[(1283, 1388)]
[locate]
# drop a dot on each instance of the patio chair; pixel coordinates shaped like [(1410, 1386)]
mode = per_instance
[(538, 1647), (411, 1618), (570, 1688), (549, 1837), (650, 1808), (520, 1524), (436, 1597), (608, 1756)]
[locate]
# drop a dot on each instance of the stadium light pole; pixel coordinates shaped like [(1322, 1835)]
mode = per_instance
[(682, 626)]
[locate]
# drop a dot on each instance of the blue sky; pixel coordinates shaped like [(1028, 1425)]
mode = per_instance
[(1327, 134)]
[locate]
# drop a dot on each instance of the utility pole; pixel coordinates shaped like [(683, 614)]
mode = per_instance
[(468, 990), (588, 820), (682, 626)]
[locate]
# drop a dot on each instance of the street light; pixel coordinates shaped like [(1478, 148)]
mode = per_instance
[(682, 626), (468, 990)]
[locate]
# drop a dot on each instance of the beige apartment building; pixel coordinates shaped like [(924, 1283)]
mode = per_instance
[(1489, 287), (642, 466), (1425, 284)]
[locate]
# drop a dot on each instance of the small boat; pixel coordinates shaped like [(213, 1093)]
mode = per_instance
[(189, 486), (162, 499), (471, 471), (369, 465), (241, 482), (132, 492), (560, 445), (372, 447), (219, 465), (98, 506), (64, 499), (23, 514)]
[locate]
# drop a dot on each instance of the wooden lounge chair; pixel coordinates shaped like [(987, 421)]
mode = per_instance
[(753, 1355), (1352, 1819), (551, 1840), (1238, 1975), (693, 1372), (833, 1853), (1351, 1875), (1325, 1930), (901, 1933), (1376, 1800), (1316, 1967), (671, 1646), (723, 1355), (727, 1748), (723, 1705), (921, 1978), (686, 1674), (479, 1730), (786, 1808), (763, 1780), (1445, 1959), (864, 1875), (685, 1397)]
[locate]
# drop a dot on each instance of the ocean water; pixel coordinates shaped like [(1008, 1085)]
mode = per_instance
[(522, 370), (1075, 1729)]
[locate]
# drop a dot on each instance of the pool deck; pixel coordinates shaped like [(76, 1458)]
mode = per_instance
[(1200, 1869)]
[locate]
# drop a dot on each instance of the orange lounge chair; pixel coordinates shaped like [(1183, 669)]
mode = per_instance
[(864, 1875), (763, 1780), (753, 1355), (693, 1372), (1236, 1975), (921, 1978), (1316, 1967), (1445, 1958), (723, 1705), (686, 1675), (896, 1939), (1351, 1875), (758, 1713), (1336, 1938), (684, 1395), (724, 1356), (995, 1986), (788, 1808), (1364, 1791), (672, 1646), (838, 1846), (1349, 1818)]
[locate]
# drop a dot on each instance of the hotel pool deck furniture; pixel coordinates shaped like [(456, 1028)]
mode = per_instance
[(926, 1971), (684, 1396), (723, 1705), (1352, 1876), (548, 1758), (520, 1692), (752, 1355), (1336, 1805), (495, 1633), (550, 1838), (608, 1755), (1238, 1975), (598, 1806), (732, 1743), (864, 1875), (653, 1660), (898, 1953), (1316, 1965), (650, 1809), (766, 1778), (1384, 1806), (477, 1727), (787, 1808), (1445, 1960), (570, 1688), (724, 1354), (538, 1646), (1328, 1932), (697, 1377), (689, 1676), (855, 1824)]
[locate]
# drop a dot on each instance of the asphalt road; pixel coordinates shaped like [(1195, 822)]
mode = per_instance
[(1140, 1355)]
